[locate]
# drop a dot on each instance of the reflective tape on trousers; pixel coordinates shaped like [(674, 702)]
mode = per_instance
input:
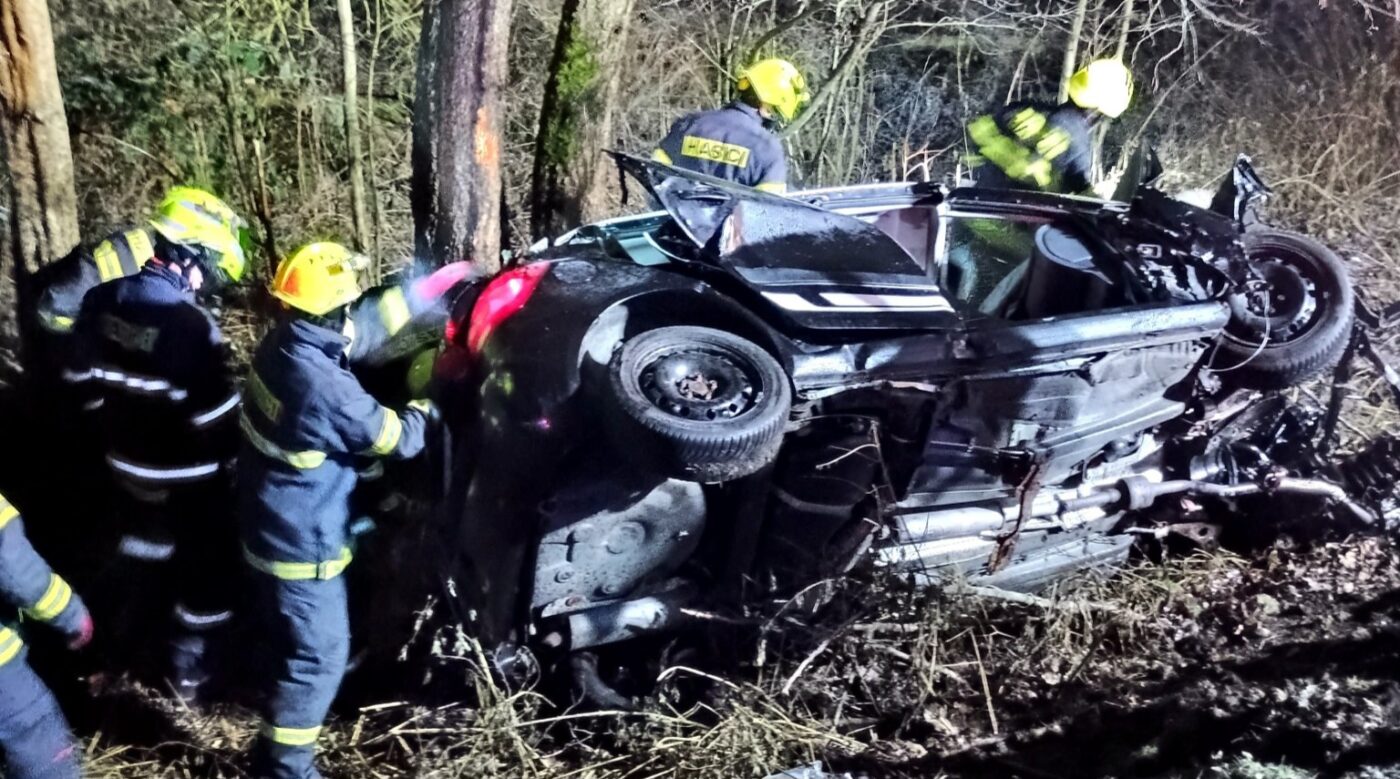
[(201, 620), (142, 549), (293, 572), (292, 737), (215, 414), (155, 473)]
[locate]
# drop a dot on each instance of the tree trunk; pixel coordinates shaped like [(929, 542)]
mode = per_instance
[(43, 202), (457, 132), (1127, 26), (1071, 62), (571, 179), (358, 213)]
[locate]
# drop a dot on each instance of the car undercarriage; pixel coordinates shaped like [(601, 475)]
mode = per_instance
[(747, 396)]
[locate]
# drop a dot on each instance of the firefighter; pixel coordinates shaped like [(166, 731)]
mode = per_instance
[(394, 322), (59, 288), (737, 142), (1036, 145), (155, 367), (307, 423), (33, 732)]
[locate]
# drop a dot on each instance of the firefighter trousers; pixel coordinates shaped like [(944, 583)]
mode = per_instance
[(176, 576), (33, 732), (308, 626)]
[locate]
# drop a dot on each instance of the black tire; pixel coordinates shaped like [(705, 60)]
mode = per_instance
[(1309, 330), (720, 416)]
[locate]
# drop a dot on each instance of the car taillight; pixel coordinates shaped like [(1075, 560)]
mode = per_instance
[(505, 295)]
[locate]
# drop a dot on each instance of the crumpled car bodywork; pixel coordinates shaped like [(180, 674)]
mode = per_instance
[(1005, 386)]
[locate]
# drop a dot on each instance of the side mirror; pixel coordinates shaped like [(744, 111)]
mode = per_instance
[(1240, 192), (1154, 169)]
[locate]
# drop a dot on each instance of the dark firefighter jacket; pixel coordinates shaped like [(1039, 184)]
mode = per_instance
[(156, 363), (61, 286), (395, 321), (307, 423), (729, 143), (29, 585), (1033, 145)]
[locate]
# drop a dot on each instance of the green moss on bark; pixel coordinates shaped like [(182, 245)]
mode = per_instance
[(576, 95)]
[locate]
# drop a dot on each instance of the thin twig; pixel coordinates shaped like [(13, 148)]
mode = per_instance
[(996, 593), (787, 687), (986, 686)]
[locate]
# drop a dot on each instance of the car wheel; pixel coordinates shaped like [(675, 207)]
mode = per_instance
[(695, 403), (1292, 325)]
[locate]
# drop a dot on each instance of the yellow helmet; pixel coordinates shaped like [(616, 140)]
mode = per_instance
[(196, 218), (777, 83), (318, 278), (1103, 85)]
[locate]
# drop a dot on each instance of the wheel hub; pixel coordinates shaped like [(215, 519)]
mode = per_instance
[(1280, 305), (699, 383), (697, 387)]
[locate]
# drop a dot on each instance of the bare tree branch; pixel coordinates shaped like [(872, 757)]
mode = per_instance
[(865, 34)]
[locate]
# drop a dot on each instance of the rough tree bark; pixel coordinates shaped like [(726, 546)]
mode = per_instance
[(570, 183), (457, 132), (43, 202), (358, 213)]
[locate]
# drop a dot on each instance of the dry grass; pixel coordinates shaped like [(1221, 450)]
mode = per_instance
[(915, 659)]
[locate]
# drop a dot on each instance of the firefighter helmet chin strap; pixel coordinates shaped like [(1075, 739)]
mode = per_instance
[(767, 116), (184, 259)]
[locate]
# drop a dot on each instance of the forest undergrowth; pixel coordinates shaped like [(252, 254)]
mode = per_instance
[(1280, 664)]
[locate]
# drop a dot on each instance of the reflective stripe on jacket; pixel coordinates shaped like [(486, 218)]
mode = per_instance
[(1033, 145), (28, 584), (307, 422), (729, 143), (63, 284), (156, 361), (395, 321)]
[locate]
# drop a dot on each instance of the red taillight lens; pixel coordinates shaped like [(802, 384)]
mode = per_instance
[(505, 295)]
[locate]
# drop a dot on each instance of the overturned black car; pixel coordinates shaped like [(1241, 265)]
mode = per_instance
[(746, 394)]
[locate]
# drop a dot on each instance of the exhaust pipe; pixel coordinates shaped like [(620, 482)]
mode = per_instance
[(622, 620), (960, 535), (1135, 492)]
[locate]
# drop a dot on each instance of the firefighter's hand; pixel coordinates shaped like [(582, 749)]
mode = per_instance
[(429, 410), (83, 635)]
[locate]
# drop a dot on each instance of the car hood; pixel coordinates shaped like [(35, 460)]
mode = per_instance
[(746, 227), (799, 256)]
